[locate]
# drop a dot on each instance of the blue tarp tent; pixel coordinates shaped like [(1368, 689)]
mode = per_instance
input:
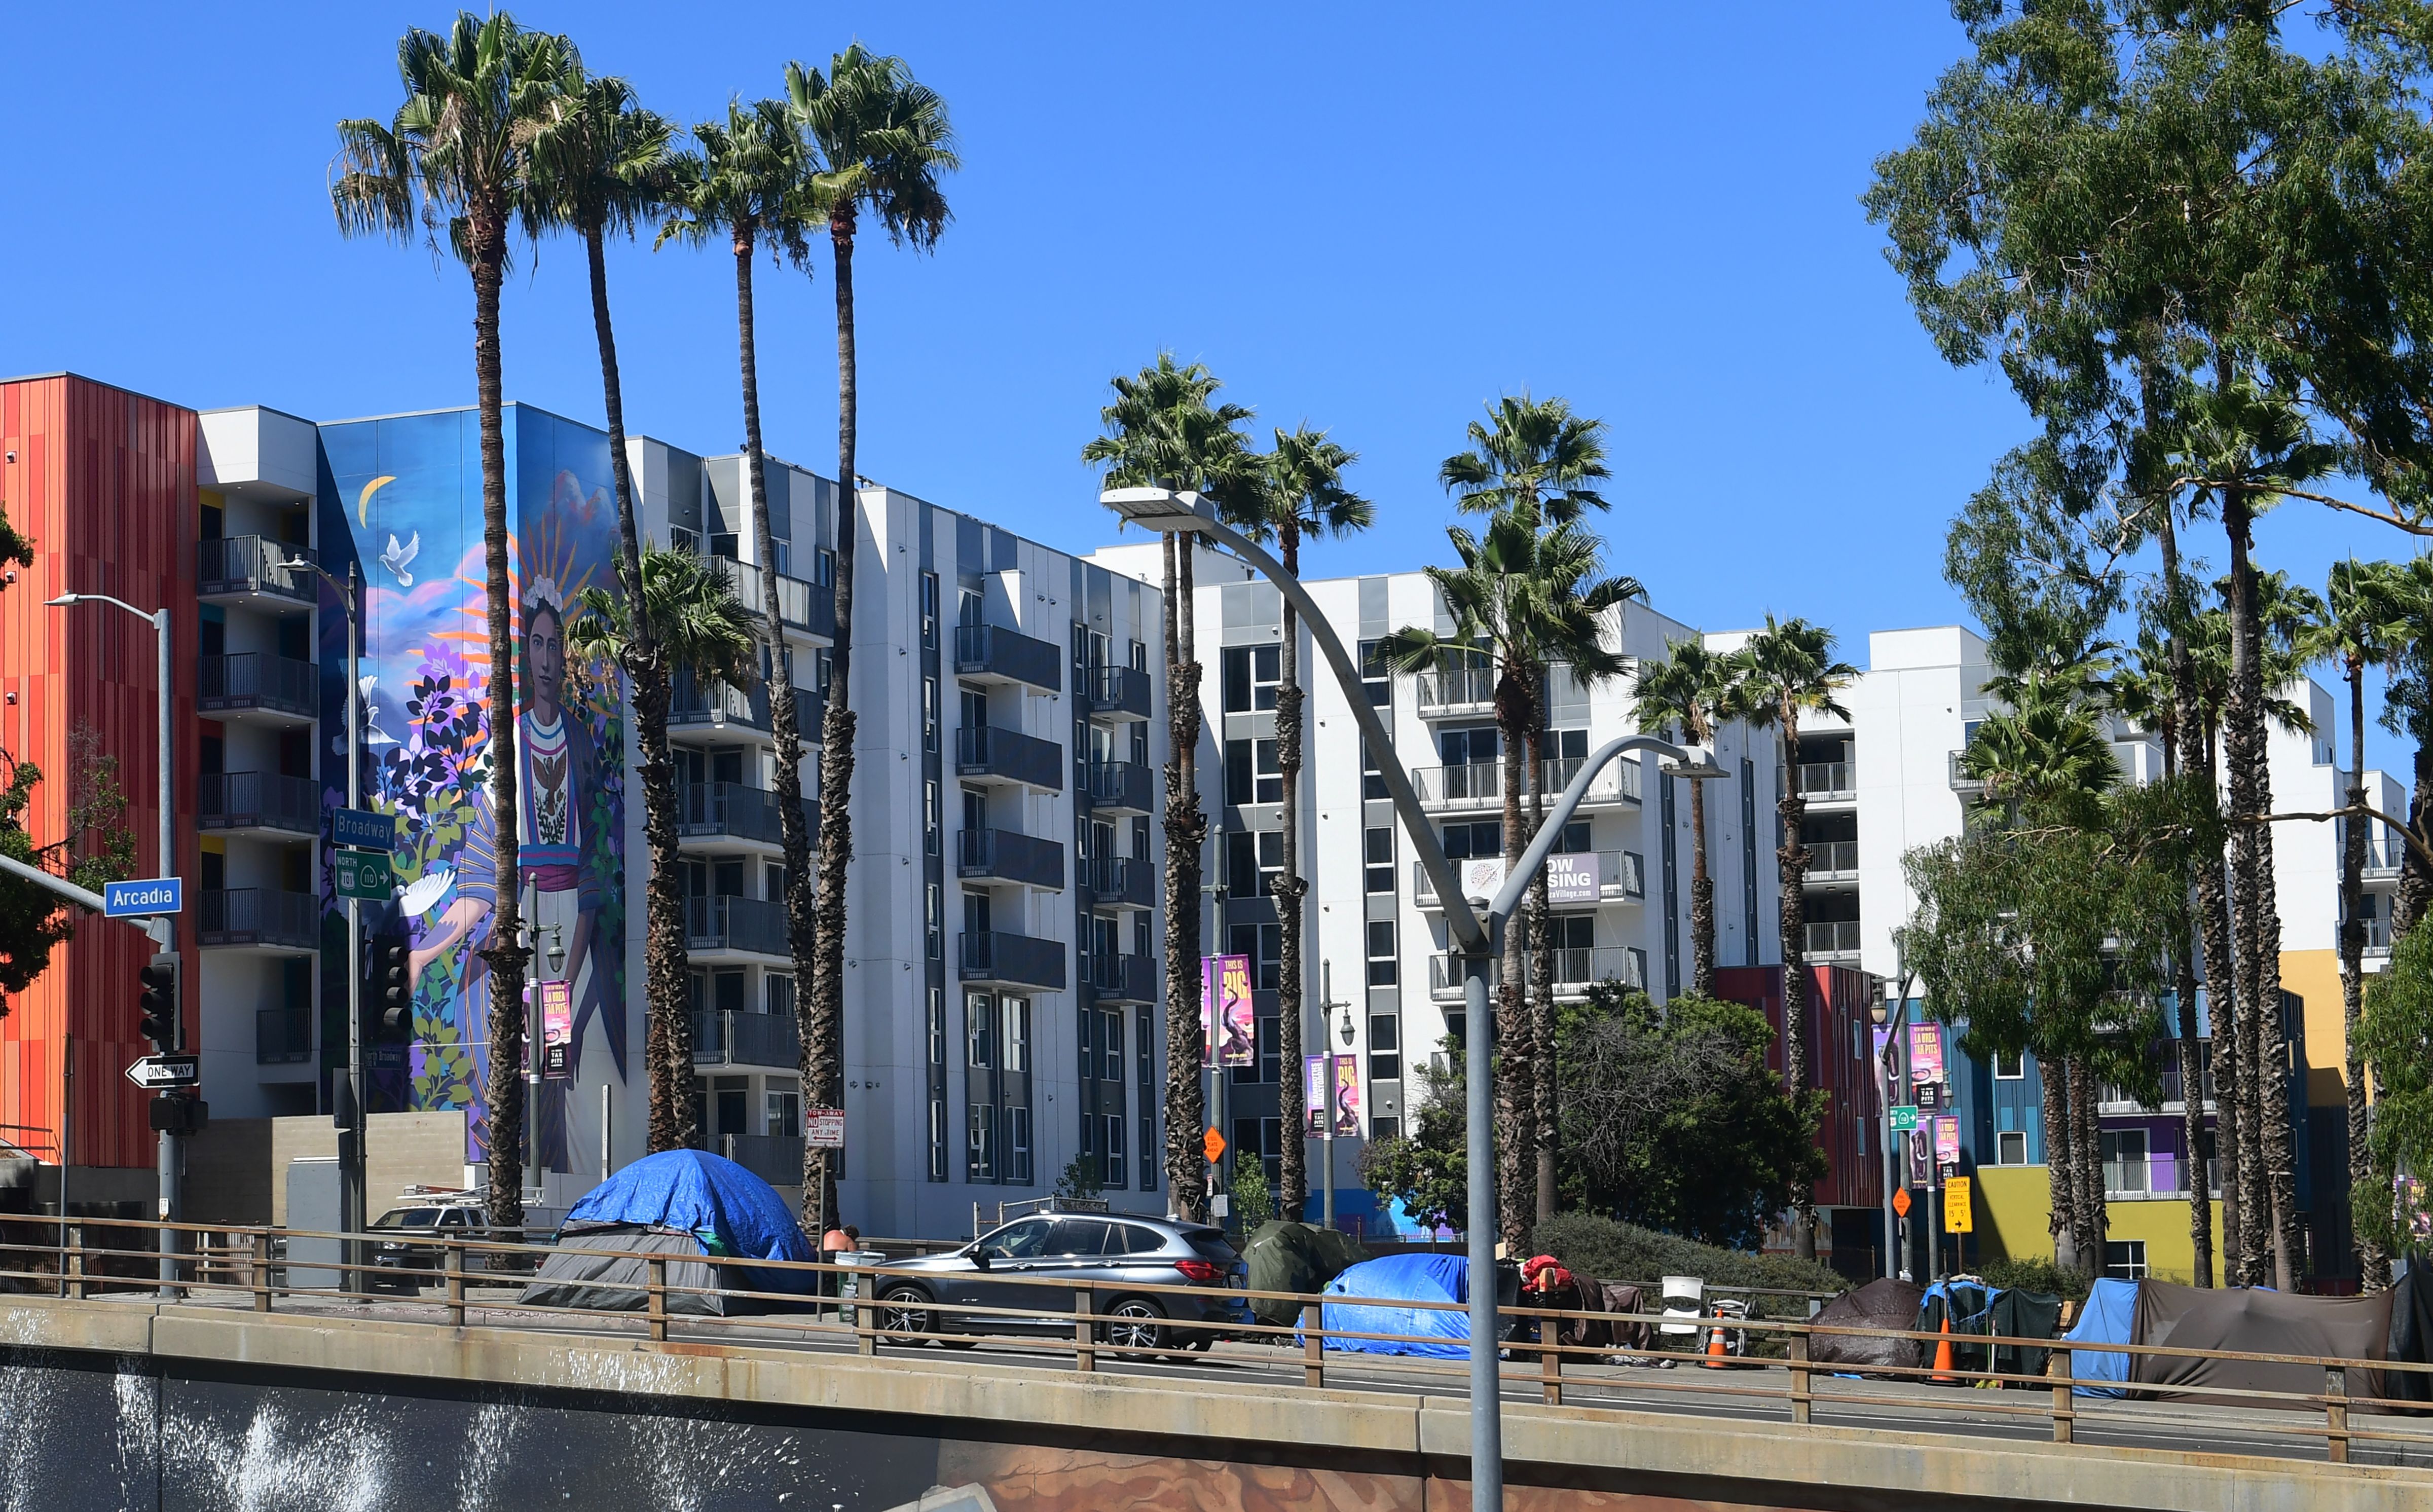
[(1427, 1277), (2109, 1316), (685, 1203)]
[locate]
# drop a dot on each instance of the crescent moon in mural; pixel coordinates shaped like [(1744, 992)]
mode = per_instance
[(363, 500)]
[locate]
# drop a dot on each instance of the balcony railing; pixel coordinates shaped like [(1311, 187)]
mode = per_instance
[(250, 564), (1119, 693), (1123, 786), (728, 1038), (1576, 969), (721, 704), (1121, 977), (254, 680), (1127, 881), (1482, 782), (260, 916), (1963, 784), (1006, 855), (985, 750), (1618, 783), (1018, 961), (716, 921), (1824, 779), (1832, 936), (736, 811), (2377, 933), (1469, 689), (994, 652), (801, 605), (2384, 854), (259, 800), (281, 1037), (1832, 857), (776, 1159)]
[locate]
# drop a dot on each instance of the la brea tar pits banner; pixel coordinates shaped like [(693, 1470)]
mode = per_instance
[(1573, 878)]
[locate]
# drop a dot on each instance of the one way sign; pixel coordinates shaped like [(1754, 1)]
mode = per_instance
[(156, 1072)]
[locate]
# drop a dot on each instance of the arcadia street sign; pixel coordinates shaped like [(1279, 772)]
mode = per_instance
[(154, 1072), (136, 899)]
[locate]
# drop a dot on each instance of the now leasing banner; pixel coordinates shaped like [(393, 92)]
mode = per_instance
[(1574, 878)]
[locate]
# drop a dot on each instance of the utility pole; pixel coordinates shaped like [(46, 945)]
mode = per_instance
[(1326, 1125)]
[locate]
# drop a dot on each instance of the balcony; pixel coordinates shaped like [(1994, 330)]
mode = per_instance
[(259, 803), (281, 1037), (986, 751), (776, 1159), (246, 569), (745, 1039), (1120, 787), (1117, 692), (1963, 784), (809, 607), (1480, 784), (1464, 694), (1620, 876), (1823, 781), (2384, 856), (1618, 783), (1832, 860), (2377, 935), (717, 924), (721, 705), (1120, 881), (1013, 961), (1833, 936), (709, 814), (1006, 855), (993, 653), (1577, 970), (1119, 976), (278, 690), (260, 918)]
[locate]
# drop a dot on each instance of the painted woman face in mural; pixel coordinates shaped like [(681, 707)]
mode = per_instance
[(545, 655)]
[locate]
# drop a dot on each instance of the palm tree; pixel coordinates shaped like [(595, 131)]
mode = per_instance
[(1164, 431), (1525, 595), (1686, 691), (2361, 625), (1301, 494), (601, 165), (1786, 670), (453, 165), (695, 626), (2044, 749), (751, 184), (883, 141)]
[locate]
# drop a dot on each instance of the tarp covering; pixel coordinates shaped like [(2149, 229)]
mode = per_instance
[(2411, 1334), (728, 1208), (2018, 1315), (2109, 1316), (577, 1275), (2253, 1319), (1879, 1303), (1431, 1277), (1295, 1257)]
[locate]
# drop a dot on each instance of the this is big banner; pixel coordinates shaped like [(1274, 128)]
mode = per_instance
[(1228, 1034)]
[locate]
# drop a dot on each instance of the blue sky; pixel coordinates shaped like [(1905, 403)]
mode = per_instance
[(1373, 218)]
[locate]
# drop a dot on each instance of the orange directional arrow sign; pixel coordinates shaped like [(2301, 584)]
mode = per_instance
[(1214, 1142)]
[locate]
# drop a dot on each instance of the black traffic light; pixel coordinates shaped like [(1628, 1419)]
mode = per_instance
[(159, 977), (392, 976)]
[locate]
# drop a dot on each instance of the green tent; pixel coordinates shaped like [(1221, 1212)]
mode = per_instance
[(1295, 1257)]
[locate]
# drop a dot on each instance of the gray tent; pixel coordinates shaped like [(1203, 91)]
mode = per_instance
[(2255, 1322), (578, 1274), (1881, 1303)]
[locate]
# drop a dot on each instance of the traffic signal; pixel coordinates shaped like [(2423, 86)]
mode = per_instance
[(160, 979), (392, 974)]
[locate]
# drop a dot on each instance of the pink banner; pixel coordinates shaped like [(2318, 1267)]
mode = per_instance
[(1228, 1036)]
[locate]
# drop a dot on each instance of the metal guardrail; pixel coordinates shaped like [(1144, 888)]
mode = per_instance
[(1009, 855), (256, 680), (258, 800), (260, 916), (736, 810), (1121, 787), (994, 650), (874, 1307), (1832, 857), (281, 1037), (1482, 782), (1122, 691), (727, 1037), (1468, 688), (1018, 961), (1576, 969), (1125, 881), (250, 564), (1833, 936), (717, 922), (989, 751)]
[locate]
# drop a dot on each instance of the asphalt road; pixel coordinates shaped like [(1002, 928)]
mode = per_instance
[(1751, 1394)]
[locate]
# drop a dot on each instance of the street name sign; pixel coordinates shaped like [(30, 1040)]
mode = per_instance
[(364, 875), (364, 829), (142, 897), (155, 1072)]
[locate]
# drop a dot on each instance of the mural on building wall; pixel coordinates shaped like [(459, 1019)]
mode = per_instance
[(404, 496)]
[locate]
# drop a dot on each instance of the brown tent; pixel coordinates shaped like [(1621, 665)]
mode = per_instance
[(1881, 1303), (2253, 1321)]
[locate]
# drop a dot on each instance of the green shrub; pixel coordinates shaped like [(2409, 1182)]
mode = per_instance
[(1604, 1250), (2035, 1276)]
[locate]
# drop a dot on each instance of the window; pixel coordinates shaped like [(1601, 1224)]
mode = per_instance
[(824, 567), (929, 817), (937, 1139), (1382, 961), (1111, 1152), (2124, 1164), (1253, 861), (1483, 838), (967, 607), (1382, 1128), (1385, 1047), (980, 1160), (777, 994), (2010, 1066), (2125, 1259), (781, 555), (1111, 1052), (936, 901), (1573, 840), (1014, 1042), (1253, 775), (928, 608), (1252, 673), (1262, 1136), (979, 1026), (1372, 777), (1377, 678), (1017, 1146), (937, 1026), (1377, 845), (1264, 944), (785, 1114), (929, 714)]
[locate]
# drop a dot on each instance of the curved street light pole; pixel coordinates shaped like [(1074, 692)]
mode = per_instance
[(1475, 926)]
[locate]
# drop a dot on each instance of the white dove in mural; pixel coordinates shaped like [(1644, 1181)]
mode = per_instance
[(373, 735), (397, 558)]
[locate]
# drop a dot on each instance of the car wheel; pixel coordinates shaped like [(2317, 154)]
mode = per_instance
[(1136, 1324), (904, 1314)]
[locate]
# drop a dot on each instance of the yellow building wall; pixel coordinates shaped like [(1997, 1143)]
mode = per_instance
[(2014, 1213), (2315, 976)]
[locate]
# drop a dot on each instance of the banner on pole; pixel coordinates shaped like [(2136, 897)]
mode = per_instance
[(1317, 1091), (1925, 1052), (1228, 1034), (557, 1030), (1346, 1097)]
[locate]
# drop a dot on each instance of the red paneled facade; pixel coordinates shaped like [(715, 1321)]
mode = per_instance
[(1838, 1046), (103, 481)]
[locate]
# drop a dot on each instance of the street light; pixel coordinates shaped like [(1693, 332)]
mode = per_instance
[(1879, 1010), (172, 1207), (1473, 924)]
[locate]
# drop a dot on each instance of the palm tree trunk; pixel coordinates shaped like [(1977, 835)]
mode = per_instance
[(2086, 1148), (1187, 1109), (505, 953), (2061, 1169), (2221, 985), (2181, 721), (1513, 1059), (1292, 911), (822, 1057), (2373, 1262), (1792, 862), (1702, 898), (1545, 1122), (668, 1031)]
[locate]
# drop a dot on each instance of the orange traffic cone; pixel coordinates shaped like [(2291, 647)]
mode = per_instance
[(1715, 1352), (1943, 1375)]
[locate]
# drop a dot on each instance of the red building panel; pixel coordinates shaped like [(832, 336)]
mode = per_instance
[(103, 481), (1838, 1047)]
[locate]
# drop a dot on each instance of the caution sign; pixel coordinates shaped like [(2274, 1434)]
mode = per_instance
[(1959, 1216)]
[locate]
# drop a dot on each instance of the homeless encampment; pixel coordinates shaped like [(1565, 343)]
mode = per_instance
[(687, 1204), (2109, 1316), (2253, 1320), (2411, 1335), (1881, 1303), (1970, 1306), (1295, 1257), (1441, 1333)]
